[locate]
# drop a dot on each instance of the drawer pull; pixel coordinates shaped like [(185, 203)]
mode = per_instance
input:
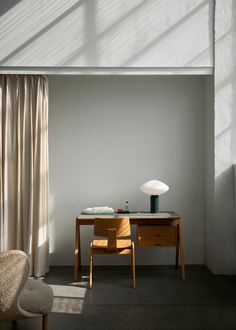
[(158, 244), (158, 235)]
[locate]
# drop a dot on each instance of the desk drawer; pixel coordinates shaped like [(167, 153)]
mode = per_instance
[(156, 236)]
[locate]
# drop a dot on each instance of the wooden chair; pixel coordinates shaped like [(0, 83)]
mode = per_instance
[(112, 228)]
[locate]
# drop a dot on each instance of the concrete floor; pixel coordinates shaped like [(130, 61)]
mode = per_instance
[(160, 301)]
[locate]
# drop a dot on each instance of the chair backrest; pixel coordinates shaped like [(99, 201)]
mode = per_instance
[(14, 271), (120, 225), (112, 228)]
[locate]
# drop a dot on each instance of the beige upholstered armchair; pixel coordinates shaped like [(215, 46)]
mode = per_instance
[(20, 296)]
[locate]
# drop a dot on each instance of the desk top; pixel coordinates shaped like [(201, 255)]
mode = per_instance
[(139, 215)]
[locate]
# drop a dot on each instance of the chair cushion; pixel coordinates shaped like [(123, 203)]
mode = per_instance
[(121, 243), (36, 297)]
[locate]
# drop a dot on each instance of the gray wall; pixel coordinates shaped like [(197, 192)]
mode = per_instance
[(209, 170), (108, 135)]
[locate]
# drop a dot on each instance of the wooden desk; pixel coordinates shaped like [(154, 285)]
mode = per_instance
[(163, 229)]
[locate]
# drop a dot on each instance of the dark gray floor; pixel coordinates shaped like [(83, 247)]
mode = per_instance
[(160, 301)]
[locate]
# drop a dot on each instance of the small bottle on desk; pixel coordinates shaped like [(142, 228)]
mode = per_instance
[(127, 207)]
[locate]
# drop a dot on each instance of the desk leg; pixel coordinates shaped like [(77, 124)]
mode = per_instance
[(177, 249), (181, 249), (77, 252)]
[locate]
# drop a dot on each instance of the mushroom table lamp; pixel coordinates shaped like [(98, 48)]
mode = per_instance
[(154, 188)]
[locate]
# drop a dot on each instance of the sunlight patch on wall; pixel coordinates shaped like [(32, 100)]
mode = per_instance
[(224, 93), (108, 33)]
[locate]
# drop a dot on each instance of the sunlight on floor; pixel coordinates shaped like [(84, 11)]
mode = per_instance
[(68, 299)]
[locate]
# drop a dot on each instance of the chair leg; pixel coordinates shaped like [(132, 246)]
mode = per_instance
[(133, 265), (14, 325), (91, 268), (45, 322)]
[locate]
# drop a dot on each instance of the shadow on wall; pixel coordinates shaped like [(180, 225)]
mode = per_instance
[(106, 33), (7, 5)]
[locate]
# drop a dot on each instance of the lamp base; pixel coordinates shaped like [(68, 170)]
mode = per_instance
[(154, 203)]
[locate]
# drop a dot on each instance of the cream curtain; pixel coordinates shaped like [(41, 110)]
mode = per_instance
[(24, 167)]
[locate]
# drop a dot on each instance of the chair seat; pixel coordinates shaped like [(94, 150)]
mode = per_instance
[(36, 297), (121, 243)]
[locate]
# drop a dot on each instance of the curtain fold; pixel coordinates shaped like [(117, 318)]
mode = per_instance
[(24, 167)]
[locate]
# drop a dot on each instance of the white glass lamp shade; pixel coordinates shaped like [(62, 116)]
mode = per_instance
[(154, 187)]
